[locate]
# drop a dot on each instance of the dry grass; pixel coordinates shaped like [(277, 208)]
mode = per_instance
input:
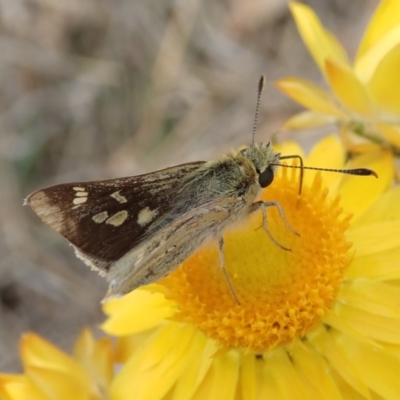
[(95, 89)]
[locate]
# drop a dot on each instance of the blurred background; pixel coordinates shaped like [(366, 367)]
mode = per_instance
[(94, 89)]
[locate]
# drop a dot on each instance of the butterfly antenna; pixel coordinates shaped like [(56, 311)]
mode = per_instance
[(261, 85), (346, 171), (352, 171)]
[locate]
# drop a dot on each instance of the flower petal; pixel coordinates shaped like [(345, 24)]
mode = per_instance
[(162, 356), (309, 95), (200, 356), (390, 132), (379, 368), (248, 382), (353, 189), (289, 148), (374, 326), (337, 357), (379, 266), (95, 356), (347, 88), (320, 42), (307, 120), (327, 153), (283, 370), (373, 296), (314, 371), (375, 238), (125, 317), (384, 85), (222, 378), (269, 388), (386, 208), (385, 18), (58, 385), (39, 354), (366, 65), (15, 387), (336, 322)]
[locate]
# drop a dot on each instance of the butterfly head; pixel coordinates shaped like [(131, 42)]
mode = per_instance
[(263, 157)]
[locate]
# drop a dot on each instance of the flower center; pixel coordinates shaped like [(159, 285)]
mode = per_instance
[(282, 293)]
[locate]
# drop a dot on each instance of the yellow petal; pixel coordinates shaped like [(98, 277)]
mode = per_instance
[(310, 96), (380, 266), (39, 354), (222, 378), (320, 42), (385, 18), (384, 85), (365, 66), (390, 132), (307, 120), (19, 387), (338, 359), (327, 153), (95, 356), (200, 356), (377, 366), (346, 390), (334, 320), (347, 88), (269, 388), (57, 385), (126, 345), (248, 382), (315, 371), (386, 208), (349, 135), (361, 148), (358, 193), (129, 314), (289, 148), (284, 371), (371, 325), (163, 356), (375, 297), (374, 238)]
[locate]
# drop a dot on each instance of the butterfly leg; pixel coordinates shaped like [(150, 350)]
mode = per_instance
[(222, 264), (263, 206)]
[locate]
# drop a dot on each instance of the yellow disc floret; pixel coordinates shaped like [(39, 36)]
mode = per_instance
[(282, 293)]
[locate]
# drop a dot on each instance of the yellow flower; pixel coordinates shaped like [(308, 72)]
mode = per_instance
[(364, 98), (51, 374), (319, 321)]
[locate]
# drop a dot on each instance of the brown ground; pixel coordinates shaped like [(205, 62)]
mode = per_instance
[(96, 89)]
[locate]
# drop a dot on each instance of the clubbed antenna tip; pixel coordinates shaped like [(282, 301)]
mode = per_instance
[(364, 172), (261, 85)]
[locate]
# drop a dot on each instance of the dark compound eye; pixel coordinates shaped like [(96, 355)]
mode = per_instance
[(266, 178)]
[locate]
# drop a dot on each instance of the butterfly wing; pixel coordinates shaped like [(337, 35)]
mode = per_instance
[(165, 250), (104, 220)]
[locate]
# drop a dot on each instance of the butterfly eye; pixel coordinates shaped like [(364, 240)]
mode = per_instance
[(266, 178)]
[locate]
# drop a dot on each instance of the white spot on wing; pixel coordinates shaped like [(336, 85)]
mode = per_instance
[(81, 195), (117, 196), (118, 219), (101, 217), (146, 215), (79, 200)]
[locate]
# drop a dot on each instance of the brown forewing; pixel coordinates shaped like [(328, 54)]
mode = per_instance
[(83, 212)]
